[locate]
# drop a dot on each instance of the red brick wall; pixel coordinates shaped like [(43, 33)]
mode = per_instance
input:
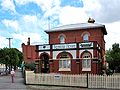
[(96, 34), (29, 53)]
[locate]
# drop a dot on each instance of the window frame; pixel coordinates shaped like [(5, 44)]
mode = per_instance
[(62, 39), (65, 66), (86, 61), (85, 37)]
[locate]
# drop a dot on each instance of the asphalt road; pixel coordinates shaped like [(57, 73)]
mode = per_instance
[(6, 84)]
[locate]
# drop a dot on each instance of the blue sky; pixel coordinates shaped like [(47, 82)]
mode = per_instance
[(20, 19)]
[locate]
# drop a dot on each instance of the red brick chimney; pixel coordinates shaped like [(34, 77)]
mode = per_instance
[(28, 43)]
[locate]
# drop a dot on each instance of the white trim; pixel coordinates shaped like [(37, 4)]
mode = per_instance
[(86, 69), (65, 59), (89, 50), (64, 69)]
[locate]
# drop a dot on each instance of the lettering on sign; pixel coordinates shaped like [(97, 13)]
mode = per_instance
[(44, 47), (86, 45), (64, 46)]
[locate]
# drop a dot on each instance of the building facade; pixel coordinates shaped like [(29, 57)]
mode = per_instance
[(72, 49)]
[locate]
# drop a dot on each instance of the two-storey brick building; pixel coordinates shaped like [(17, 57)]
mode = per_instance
[(74, 49)]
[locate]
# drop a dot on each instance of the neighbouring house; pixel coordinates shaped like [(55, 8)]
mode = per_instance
[(72, 49)]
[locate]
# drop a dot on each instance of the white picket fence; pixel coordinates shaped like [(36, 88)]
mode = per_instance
[(81, 80), (56, 79), (100, 81)]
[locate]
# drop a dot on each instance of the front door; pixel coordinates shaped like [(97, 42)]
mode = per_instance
[(45, 63)]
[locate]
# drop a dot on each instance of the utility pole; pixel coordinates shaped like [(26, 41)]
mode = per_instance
[(9, 41), (10, 67)]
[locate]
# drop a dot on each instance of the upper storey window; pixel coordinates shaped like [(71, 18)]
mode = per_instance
[(62, 39), (85, 36)]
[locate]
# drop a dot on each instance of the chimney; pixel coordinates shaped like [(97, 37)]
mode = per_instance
[(28, 43), (91, 20)]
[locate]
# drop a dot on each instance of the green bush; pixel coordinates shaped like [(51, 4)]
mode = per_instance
[(30, 66)]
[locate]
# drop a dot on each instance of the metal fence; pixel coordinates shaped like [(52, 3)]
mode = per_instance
[(81, 80)]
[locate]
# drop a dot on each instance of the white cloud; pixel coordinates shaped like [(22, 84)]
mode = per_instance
[(47, 5), (23, 37), (103, 10), (91, 5), (44, 4), (8, 5), (31, 23), (30, 19), (35, 39), (107, 12), (113, 36), (110, 10), (70, 15), (22, 2), (11, 23)]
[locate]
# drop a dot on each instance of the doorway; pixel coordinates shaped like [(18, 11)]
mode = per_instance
[(44, 63)]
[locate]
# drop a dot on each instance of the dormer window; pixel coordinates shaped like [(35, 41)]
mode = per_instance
[(62, 39)]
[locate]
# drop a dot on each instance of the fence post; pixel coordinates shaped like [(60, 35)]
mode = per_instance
[(87, 80), (24, 77)]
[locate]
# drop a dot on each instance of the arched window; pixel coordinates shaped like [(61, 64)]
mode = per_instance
[(64, 62), (86, 61), (85, 37), (62, 39)]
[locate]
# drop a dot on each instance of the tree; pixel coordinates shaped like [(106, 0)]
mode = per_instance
[(11, 57), (20, 55), (113, 57), (4, 57), (14, 59)]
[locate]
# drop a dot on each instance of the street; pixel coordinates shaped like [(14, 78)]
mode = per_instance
[(6, 84)]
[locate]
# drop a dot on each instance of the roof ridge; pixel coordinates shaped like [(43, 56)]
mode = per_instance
[(76, 27)]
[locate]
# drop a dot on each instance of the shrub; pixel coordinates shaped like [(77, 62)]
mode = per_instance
[(30, 66)]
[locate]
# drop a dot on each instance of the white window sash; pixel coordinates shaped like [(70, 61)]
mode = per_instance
[(87, 64), (64, 64)]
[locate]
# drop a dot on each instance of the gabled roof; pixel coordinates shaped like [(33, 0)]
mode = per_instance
[(78, 26)]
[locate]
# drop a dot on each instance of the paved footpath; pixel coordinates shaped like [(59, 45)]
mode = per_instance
[(6, 84)]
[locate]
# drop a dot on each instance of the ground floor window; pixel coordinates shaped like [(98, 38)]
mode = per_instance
[(64, 64), (86, 62), (86, 65)]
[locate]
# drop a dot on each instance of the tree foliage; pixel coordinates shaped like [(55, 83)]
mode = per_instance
[(113, 57), (11, 57)]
